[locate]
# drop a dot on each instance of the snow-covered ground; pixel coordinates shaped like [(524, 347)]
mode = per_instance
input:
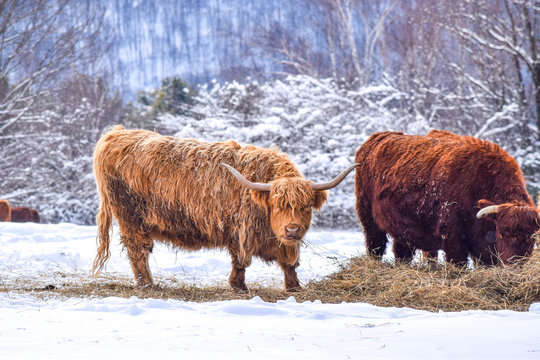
[(113, 327)]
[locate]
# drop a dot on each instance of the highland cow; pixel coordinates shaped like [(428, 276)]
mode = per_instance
[(5, 211), (194, 194), (24, 214), (445, 192)]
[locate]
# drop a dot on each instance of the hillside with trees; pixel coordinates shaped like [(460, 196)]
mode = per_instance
[(314, 78)]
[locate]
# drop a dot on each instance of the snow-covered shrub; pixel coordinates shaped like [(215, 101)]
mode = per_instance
[(316, 122), (46, 158)]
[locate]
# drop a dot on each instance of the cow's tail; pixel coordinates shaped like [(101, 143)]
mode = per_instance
[(104, 224)]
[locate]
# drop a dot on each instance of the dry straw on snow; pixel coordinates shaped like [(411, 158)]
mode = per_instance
[(428, 286)]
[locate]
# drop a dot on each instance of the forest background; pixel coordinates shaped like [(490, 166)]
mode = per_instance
[(312, 77)]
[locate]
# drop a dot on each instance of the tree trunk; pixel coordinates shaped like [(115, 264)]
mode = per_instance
[(536, 81)]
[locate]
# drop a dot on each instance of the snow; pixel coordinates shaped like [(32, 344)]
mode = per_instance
[(90, 328)]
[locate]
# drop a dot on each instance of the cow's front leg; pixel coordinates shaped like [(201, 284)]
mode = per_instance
[(455, 252), (237, 279), (291, 279), (403, 250), (139, 249)]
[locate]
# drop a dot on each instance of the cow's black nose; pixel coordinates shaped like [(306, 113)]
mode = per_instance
[(292, 231)]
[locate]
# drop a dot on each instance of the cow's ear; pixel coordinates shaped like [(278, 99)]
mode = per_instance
[(485, 214), (319, 199), (260, 198), (484, 203)]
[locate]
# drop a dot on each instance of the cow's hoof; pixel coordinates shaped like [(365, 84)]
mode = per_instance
[(293, 289), (240, 289)]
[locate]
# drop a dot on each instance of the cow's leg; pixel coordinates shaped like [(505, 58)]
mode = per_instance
[(375, 238), (454, 245), (139, 249), (291, 279), (430, 255), (455, 252), (403, 250), (237, 279), (488, 256)]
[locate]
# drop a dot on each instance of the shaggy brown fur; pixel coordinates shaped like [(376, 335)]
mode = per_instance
[(176, 191), (5, 211), (24, 214), (425, 191)]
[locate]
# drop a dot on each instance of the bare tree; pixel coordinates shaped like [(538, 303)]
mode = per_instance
[(352, 31), (501, 64), (40, 42), (46, 159), (53, 104), (468, 64)]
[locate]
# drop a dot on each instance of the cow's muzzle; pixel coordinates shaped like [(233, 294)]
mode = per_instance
[(292, 232)]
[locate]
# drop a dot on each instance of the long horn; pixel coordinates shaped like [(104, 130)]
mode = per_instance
[(493, 209), (336, 181), (245, 182)]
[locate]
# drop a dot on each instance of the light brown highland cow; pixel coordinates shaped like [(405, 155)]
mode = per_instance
[(194, 195), (5, 211)]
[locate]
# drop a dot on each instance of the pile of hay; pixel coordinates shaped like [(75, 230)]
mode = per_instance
[(431, 286)]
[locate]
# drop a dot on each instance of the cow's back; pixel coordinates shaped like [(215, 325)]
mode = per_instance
[(393, 163), (442, 164)]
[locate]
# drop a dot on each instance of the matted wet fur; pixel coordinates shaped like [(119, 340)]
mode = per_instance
[(426, 192), (176, 191)]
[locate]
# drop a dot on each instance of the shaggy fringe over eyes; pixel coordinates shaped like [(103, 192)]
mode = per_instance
[(292, 193)]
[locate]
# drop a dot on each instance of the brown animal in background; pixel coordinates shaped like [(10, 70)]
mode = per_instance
[(193, 194), (24, 214), (5, 211), (443, 191)]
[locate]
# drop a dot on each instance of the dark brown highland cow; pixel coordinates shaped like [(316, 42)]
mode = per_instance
[(180, 191), (5, 211), (24, 214), (443, 191)]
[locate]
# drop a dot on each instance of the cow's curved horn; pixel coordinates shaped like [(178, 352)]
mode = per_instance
[(488, 210), (336, 181), (245, 182)]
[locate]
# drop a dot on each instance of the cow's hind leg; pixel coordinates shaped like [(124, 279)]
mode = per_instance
[(375, 238), (375, 241), (139, 249)]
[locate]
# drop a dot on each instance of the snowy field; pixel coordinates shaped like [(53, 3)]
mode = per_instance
[(119, 328)]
